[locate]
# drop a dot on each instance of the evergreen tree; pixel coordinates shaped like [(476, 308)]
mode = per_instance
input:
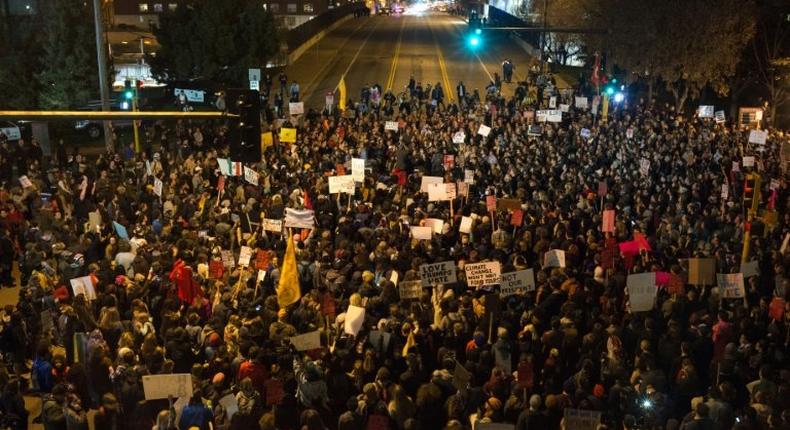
[(217, 40), (68, 78)]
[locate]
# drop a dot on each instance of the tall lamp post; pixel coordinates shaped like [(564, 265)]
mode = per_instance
[(101, 63)]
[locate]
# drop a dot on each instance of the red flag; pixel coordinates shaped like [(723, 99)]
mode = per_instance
[(308, 203), (642, 242)]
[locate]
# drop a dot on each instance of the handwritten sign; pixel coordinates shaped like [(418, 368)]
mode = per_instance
[(466, 225), (608, 221), (341, 184), (250, 175), (441, 192), (358, 169), (469, 176), (245, 254), (158, 185), (391, 125), (436, 225), (288, 135), (484, 130), (273, 225), (438, 273), (517, 282), (307, 341), (702, 271), (355, 316), (227, 258), (480, 274), (421, 233), (427, 180), (162, 386), (554, 258), (83, 285), (758, 136), (459, 137), (731, 285), (641, 291), (296, 108), (581, 102), (748, 161), (410, 290)]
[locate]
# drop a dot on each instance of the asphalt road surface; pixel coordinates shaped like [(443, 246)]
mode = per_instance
[(387, 50)]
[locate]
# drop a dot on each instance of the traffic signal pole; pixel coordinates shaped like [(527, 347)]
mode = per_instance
[(101, 63), (134, 123)]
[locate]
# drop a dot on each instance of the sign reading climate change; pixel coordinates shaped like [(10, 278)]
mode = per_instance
[(438, 273), (480, 274)]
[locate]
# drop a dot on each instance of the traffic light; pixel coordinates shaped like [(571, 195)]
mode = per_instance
[(245, 133), (128, 90), (609, 90), (751, 191)]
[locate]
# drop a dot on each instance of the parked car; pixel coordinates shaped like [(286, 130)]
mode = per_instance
[(94, 127), (10, 130)]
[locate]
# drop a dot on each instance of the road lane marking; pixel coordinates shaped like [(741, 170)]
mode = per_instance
[(354, 60), (442, 66), (308, 92), (394, 67)]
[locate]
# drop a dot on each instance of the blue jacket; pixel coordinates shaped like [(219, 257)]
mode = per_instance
[(41, 374), (197, 416)]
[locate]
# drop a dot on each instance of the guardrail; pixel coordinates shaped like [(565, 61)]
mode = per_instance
[(297, 36)]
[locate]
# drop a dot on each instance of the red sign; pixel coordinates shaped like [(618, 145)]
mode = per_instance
[(517, 217), (262, 259), (449, 161), (215, 269), (777, 308), (490, 203), (274, 392)]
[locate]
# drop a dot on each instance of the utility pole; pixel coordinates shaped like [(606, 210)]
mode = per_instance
[(101, 60)]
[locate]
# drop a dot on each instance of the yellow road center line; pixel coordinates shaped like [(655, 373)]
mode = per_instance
[(442, 66), (394, 66)]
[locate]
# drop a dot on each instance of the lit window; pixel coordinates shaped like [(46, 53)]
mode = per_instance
[(308, 7), (143, 7), (291, 7), (172, 6), (159, 8)]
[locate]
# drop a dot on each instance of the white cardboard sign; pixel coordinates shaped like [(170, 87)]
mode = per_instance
[(480, 274), (358, 169), (438, 273), (517, 282), (554, 258), (161, 386), (731, 285), (341, 184), (307, 341), (484, 130), (641, 291)]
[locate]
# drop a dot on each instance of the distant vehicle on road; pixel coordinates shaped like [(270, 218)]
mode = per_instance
[(10, 130), (93, 127), (385, 11)]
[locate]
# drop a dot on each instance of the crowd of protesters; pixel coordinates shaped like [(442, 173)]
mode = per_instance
[(166, 301)]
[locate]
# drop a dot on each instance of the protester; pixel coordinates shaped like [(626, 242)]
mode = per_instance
[(132, 268)]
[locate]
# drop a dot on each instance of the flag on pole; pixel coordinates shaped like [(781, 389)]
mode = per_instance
[(237, 168), (288, 291), (341, 87), (595, 78)]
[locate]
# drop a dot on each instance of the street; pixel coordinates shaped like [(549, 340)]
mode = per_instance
[(389, 49)]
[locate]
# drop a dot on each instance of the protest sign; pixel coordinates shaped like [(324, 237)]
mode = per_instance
[(758, 136), (719, 116), (441, 192), (564, 107), (163, 386), (299, 218), (267, 140), (261, 276), (675, 284), (379, 339), (158, 185), (705, 111), (517, 217), (391, 125), (490, 203), (580, 419), (438, 273), (448, 161), (581, 102), (751, 268), (535, 131), (421, 233), (461, 377), (731, 285), (776, 310), (459, 137), (480, 274), (748, 161), (120, 231), (274, 225), (227, 258), (410, 289), (466, 225), (296, 108), (427, 180), (508, 204), (355, 316), (25, 181), (469, 176), (517, 282), (250, 175), (702, 271), (358, 169), (641, 291), (484, 130), (274, 391), (215, 269), (288, 135), (341, 184), (436, 225), (585, 133), (94, 220), (608, 221), (462, 189), (307, 341), (83, 285), (725, 191), (629, 133), (245, 254), (554, 258), (554, 116), (553, 102)]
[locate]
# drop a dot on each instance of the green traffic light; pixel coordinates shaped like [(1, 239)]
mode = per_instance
[(609, 91), (474, 41), (478, 31), (128, 95)]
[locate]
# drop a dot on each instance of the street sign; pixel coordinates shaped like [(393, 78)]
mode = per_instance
[(254, 75), (255, 85)]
